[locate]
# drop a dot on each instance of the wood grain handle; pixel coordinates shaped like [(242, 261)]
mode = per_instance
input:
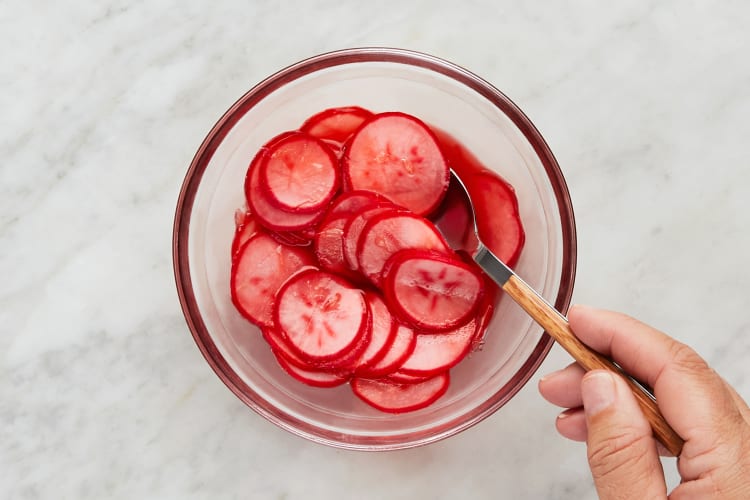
[(558, 328)]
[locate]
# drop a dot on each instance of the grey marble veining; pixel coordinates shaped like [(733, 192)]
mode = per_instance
[(103, 393)]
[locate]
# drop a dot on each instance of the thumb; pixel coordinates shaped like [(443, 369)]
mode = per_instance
[(621, 450)]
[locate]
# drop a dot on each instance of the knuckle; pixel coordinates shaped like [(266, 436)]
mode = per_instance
[(686, 359), (620, 453)]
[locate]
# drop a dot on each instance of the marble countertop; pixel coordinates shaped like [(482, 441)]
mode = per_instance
[(104, 394)]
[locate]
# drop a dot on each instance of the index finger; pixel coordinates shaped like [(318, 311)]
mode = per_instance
[(681, 379), (641, 350)]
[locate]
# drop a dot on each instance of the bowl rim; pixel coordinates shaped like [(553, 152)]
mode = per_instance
[(183, 212)]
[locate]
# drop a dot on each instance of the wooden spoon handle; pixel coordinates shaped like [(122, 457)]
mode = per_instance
[(558, 328)]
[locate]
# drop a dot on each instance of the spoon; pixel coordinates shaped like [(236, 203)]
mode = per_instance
[(555, 323)]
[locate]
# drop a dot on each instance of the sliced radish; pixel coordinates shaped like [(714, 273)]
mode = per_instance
[(499, 224), (437, 352), (300, 174), (400, 349), (353, 230), (322, 316), (280, 347), (432, 308), (387, 233), (354, 202), (270, 216), (395, 397), (347, 362), (384, 330), (336, 124), (432, 291), (261, 267), (398, 156), (343, 366), (328, 245), (313, 378), (259, 155), (246, 228)]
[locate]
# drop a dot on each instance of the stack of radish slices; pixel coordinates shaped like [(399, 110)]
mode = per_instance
[(338, 264)]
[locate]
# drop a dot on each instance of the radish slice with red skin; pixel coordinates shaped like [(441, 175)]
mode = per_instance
[(400, 349), (268, 215), (314, 378), (384, 329), (387, 233), (336, 124), (299, 174), (328, 245), (436, 352), (499, 226), (395, 397), (261, 267), (432, 291), (246, 228), (322, 316), (256, 160), (397, 155), (347, 363), (353, 230), (353, 202), (281, 348), (342, 366)]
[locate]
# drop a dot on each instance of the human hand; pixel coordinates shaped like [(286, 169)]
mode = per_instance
[(700, 406)]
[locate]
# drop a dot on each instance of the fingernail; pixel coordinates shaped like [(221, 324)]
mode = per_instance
[(549, 375), (580, 308), (598, 391)]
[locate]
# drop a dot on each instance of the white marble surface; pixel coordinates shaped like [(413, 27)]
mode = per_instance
[(103, 393)]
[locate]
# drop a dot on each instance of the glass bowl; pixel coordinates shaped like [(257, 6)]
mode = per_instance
[(380, 79)]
